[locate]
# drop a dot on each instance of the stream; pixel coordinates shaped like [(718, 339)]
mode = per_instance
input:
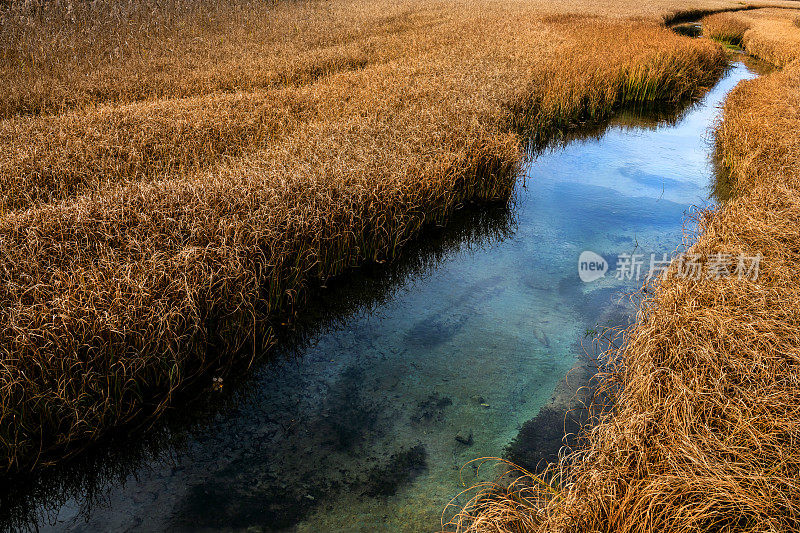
[(409, 371)]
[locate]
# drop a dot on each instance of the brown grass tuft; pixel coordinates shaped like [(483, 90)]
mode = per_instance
[(500, 506), (725, 27)]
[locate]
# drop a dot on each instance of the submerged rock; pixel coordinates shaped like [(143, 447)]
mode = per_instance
[(466, 441)]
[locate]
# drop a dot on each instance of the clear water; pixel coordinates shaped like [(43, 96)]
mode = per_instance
[(355, 429)]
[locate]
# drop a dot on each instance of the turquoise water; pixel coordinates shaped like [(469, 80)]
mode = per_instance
[(365, 423)]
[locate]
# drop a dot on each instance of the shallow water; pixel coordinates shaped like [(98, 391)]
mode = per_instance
[(356, 428)]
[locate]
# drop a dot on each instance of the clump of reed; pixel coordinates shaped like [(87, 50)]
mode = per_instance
[(706, 390), (145, 242), (725, 27), (767, 34), (503, 505)]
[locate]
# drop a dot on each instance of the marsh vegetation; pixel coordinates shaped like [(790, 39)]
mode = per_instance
[(164, 211), (179, 179), (374, 414)]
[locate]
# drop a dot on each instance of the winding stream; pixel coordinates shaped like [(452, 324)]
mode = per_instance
[(438, 360)]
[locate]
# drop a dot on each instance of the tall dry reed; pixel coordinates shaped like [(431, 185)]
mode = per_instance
[(726, 27)]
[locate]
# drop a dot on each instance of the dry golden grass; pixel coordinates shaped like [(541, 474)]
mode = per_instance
[(725, 27), (704, 431), (171, 187), (769, 34), (56, 58)]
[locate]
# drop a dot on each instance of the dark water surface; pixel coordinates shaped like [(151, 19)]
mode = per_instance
[(432, 362)]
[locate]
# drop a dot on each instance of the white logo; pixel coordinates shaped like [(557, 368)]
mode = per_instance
[(591, 266)]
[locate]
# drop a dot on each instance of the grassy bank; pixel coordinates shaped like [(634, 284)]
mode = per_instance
[(703, 435), (167, 208), (727, 28), (769, 34)]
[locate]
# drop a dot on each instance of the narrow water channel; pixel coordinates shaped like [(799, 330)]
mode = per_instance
[(365, 425)]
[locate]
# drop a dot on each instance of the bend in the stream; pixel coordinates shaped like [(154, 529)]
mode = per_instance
[(405, 372)]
